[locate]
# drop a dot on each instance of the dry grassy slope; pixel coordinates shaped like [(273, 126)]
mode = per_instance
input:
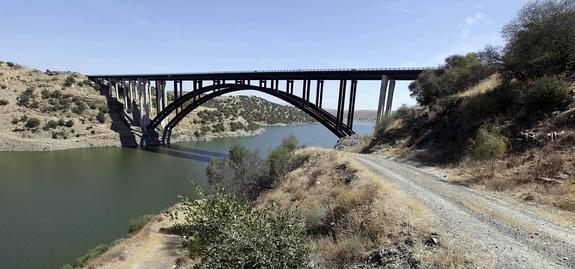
[(355, 218), (86, 131), (516, 175)]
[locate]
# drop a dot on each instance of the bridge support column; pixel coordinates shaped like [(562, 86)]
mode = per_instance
[(351, 109), (176, 93), (341, 103), (319, 94), (389, 98), (164, 94), (382, 93), (116, 91), (110, 88), (124, 94)]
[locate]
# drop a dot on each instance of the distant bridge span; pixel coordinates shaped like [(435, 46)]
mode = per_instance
[(134, 91)]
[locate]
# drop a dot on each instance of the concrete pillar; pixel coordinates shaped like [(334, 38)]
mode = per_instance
[(164, 95), (116, 91), (382, 93), (125, 92), (389, 98), (110, 88)]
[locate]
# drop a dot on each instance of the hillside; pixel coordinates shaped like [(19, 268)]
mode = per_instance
[(500, 119), (258, 110), (51, 110)]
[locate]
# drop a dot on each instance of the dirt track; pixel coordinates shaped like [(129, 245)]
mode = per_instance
[(508, 236)]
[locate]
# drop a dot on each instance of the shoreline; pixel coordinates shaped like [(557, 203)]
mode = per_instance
[(8, 144)]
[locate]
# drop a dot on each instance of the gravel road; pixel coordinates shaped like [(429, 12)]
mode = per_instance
[(508, 236)]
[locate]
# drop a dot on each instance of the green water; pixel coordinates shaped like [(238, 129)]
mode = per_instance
[(54, 206)]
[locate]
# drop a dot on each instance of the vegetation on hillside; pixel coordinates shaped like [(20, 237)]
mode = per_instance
[(299, 209), (500, 106), (258, 110), (49, 105)]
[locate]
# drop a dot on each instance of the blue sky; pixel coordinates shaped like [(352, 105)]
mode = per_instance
[(107, 36)]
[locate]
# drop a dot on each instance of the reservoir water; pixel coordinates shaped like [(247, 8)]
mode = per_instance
[(55, 206)]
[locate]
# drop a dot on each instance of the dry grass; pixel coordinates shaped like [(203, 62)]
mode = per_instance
[(349, 212), (518, 175), (487, 85)]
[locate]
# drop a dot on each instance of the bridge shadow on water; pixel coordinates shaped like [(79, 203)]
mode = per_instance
[(187, 153)]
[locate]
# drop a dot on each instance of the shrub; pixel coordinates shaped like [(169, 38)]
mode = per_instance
[(25, 97), (10, 64), (69, 123), (45, 94), (278, 159), (240, 174), (547, 93), (101, 117), (104, 109), (488, 145), (134, 225), (3, 102), (80, 107), (32, 123), (69, 81), (51, 124), (230, 233), (56, 94)]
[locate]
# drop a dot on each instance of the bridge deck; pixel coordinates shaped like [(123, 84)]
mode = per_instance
[(326, 74)]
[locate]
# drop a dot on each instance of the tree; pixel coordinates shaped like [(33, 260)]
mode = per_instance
[(456, 75), (541, 40)]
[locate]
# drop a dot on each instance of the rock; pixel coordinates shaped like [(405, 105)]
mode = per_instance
[(432, 240), (549, 180), (346, 142)]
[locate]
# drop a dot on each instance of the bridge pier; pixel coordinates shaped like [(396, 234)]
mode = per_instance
[(390, 97), (386, 92)]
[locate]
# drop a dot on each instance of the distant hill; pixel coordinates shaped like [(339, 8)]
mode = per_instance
[(362, 115)]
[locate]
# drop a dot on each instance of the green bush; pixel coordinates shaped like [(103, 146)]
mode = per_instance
[(51, 124), (3, 102), (548, 93), (69, 81), (230, 233), (69, 123), (278, 159), (45, 94), (25, 97), (488, 145), (80, 107), (32, 123), (134, 225), (104, 109), (101, 117)]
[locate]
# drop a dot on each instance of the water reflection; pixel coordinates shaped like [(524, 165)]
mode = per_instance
[(187, 153)]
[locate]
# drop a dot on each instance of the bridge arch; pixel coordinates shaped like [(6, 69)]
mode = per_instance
[(204, 94)]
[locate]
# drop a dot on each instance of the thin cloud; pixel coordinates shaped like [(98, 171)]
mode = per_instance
[(400, 9), (475, 18), (468, 23)]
